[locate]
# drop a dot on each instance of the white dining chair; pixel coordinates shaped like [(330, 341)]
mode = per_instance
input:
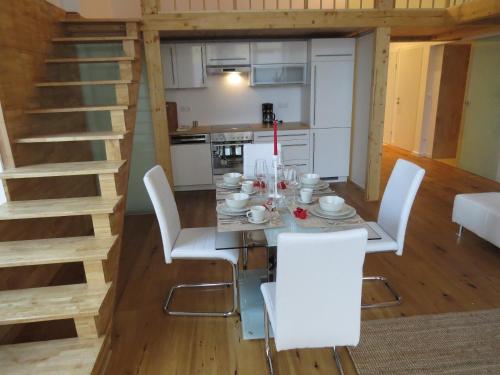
[(316, 299), (393, 217), (188, 243)]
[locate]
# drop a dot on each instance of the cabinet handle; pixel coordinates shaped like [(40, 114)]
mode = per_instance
[(314, 98), (282, 135), (203, 70), (301, 144), (295, 165), (228, 58), (333, 54), (313, 149), (172, 63)]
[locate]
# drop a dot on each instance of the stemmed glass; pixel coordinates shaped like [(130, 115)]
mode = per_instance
[(260, 172), (292, 180)]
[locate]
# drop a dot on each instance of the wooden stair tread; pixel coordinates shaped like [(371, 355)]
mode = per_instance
[(41, 208), (63, 169), (100, 20), (73, 356), (78, 109), (73, 137), (50, 303), (93, 39), (81, 83), (54, 250), (88, 59)]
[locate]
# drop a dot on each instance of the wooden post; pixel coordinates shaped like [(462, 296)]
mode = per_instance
[(150, 6), (377, 112), (157, 101)]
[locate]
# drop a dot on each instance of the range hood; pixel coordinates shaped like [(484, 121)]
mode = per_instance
[(223, 69)]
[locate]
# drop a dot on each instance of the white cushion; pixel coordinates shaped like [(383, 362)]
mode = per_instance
[(386, 243), (199, 243), (479, 213), (269, 294)]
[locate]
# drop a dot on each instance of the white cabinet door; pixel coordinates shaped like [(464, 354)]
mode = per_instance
[(190, 69), (168, 62), (332, 49), (331, 152), (228, 53), (287, 52), (192, 164), (331, 93)]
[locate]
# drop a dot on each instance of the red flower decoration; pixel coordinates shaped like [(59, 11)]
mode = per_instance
[(300, 213)]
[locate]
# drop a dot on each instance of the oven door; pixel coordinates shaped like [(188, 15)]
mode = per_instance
[(227, 157)]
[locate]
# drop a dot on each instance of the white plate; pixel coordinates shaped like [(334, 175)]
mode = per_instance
[(302, 202), (226, 186), (319, 186), (346, 213), (225, 210), (250, 220), (252, 193)]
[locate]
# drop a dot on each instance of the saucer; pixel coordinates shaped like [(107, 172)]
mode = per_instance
[(223, 209), (302, 202), (252, 193), (346, 213), (223, 185), (321, 185), (265, 220)]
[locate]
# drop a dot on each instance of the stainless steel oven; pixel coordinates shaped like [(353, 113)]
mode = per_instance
[(227, 151)]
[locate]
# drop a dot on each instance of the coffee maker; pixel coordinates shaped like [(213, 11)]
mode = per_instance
[(268, 115)]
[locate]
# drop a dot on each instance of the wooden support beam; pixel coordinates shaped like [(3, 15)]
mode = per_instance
[(86, 327), (118, 120), (107, 185), (94, 273), (102, 225), (157, 101), (113, 150), (298, 19), (150, 6), (122, 94), (377, 112), (5, 149), (471, 11)]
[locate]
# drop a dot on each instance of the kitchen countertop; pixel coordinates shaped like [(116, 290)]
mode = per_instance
[(205, 129)]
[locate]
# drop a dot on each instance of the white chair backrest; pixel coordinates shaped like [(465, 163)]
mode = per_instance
[(318, 289), (165, 207), (398, 198), (254, 151)]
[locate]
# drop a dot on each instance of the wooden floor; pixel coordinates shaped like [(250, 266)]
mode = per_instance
[(437, 273)]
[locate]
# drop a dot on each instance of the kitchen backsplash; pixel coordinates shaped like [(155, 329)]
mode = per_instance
[(225, 103)]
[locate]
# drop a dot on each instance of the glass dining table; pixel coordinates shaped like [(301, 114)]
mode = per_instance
[(266, 239)]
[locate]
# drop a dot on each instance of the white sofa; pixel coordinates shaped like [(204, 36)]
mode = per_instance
[(479, 213)]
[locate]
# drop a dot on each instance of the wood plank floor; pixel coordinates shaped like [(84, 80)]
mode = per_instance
[(437, 273)]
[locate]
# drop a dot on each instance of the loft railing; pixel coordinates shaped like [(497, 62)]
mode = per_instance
[(228, 5)]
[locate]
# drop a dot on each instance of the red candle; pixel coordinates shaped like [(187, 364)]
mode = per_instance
[(275, 126)]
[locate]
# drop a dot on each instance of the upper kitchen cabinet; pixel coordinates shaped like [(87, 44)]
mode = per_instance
[(220, 54), (287, 52), (278, 63), (332, 75), (183, 65)]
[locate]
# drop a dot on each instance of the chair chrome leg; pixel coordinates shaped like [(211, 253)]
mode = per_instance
[(267, 343), (338, 362), (232, 312), (460, 231), (397, 298)]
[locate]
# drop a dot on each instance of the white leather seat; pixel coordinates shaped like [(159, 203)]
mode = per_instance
[(385, 243), (199, 243), (393, 218), (316, 299), (190, 243)]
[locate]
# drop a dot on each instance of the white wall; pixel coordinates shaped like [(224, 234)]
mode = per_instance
[(361, 111), (222, 103)]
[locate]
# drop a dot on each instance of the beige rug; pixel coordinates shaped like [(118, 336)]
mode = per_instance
[(457, 343)]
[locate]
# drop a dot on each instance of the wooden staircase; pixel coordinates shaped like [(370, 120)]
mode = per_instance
[(90, 304)]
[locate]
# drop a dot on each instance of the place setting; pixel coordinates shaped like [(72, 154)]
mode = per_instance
[(240, 212), (312, 181)]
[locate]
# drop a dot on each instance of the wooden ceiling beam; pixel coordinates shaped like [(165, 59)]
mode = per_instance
[(297, 19), (472, 11)]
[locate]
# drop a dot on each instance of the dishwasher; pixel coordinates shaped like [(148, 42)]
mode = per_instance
[(191, 160)]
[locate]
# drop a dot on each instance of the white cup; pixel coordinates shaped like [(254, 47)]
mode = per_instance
[(247, 187), (306, 195), (257, 213)]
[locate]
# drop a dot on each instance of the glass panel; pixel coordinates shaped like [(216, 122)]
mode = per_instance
[(294, 74)]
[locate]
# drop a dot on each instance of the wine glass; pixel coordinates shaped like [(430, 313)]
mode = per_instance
[(260, 172), (292, 180)]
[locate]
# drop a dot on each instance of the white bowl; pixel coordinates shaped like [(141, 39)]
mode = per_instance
[(331, 203), (310, 178), (237, 200), (232, 178)]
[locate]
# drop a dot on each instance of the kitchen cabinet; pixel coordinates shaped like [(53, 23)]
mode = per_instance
[(278, 74), (234, 53), (191, 164), (330, 149), (332, 48), (286, 52), (331, 93), (294, 147), (183, 65)]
